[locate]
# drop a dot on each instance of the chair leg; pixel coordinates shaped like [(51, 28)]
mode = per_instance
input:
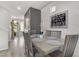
[(34, 53)]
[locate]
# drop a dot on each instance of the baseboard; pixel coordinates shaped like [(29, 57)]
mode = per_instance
[(3, 49)]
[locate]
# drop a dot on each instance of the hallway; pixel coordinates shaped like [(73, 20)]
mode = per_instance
[(17, 47)]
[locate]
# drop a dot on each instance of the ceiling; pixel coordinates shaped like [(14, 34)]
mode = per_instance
[(11, 6)]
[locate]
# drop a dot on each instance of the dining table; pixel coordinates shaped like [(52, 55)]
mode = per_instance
[(45, 46)]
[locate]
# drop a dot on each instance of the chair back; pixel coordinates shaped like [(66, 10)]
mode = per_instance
[(28, 44), (54, 33), (69, 45)]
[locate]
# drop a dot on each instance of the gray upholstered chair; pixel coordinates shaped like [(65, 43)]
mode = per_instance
[(53, 33), (56, 34), (69, 47), (28, 44)]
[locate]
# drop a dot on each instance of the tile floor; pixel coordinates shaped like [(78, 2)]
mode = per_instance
[(16, 48)]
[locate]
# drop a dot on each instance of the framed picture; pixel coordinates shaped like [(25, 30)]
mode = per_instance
[(60, 20)]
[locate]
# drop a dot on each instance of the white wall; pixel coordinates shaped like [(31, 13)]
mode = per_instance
[(73, 17), (4, 29)]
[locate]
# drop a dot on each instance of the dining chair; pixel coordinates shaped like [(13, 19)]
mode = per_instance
[(29, 47), (69, 47), (70, 44), (53, 33), (56, 34)]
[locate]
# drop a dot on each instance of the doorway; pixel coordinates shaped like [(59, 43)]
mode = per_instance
[(17, 28)]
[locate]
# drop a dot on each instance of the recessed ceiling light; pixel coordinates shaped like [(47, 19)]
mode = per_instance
[(53, 9), (18, 8)]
